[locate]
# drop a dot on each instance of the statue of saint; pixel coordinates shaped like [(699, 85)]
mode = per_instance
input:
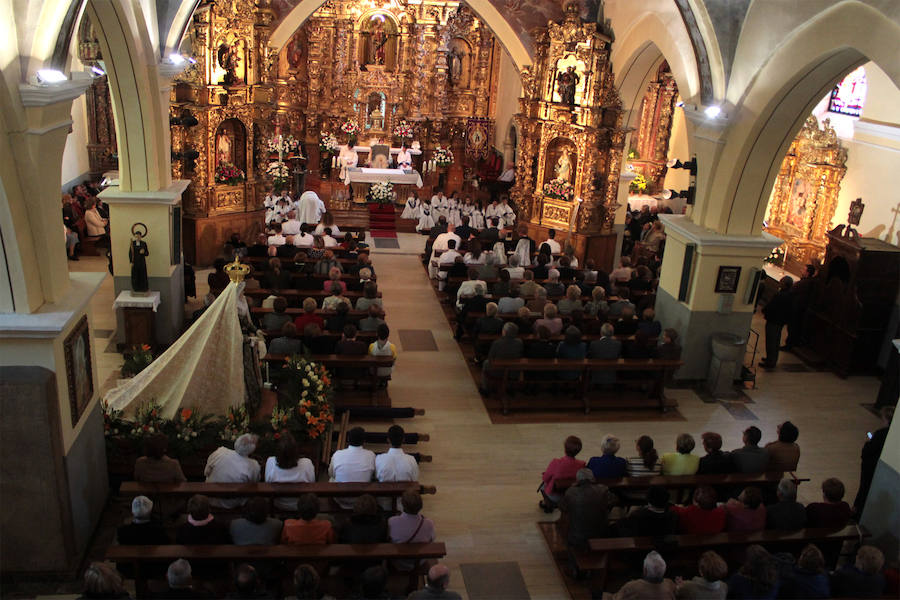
[(563, 166), (224, 152), (228, 60), (137, 255), (455, 68), (379, 40), (567, 81)]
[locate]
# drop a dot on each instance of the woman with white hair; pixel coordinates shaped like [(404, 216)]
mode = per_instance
[(143, 529), (233, 466), (652, 585), (608, 465)]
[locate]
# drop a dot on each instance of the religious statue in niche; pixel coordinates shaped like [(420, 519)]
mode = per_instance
[(798, 207), (224, 148), (563, 167), (378, 47), (455, 71), (229, 59), (137, 256), (294, 53), (567, 81)]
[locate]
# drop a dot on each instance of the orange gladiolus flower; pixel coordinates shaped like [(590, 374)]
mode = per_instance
[(186, 414)]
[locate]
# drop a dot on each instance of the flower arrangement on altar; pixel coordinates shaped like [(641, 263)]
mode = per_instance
[(309, 411), (351, 128), (328, 144), (381, 192), (137, 360), (280, 174), (228, 174), (638, 185), (443, 157), (403, 129), (237, 422), (562, 190), (776, 256), (283, 145)]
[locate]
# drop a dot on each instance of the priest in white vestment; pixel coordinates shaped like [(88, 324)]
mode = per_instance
[(440, 245), (348, 159), (310, 208), (404, 158)]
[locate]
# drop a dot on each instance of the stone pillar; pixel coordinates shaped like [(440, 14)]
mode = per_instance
[(700, 311), (160, 211)]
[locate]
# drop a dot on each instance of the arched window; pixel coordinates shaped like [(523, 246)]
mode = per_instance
[(848, 97)]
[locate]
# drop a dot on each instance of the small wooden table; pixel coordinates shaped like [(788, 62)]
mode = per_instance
[(139, 316)]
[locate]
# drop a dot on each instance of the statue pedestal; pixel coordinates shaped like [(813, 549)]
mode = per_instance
[(138, 318)]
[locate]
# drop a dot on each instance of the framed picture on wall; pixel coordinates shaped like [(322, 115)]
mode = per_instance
[(727, 280), (79, 370)]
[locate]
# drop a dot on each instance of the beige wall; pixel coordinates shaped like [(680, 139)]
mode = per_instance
[(509, 89), (75, 157), (678, 179)]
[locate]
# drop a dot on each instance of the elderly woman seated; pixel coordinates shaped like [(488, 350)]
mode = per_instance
[(608, 466), (334, 277), (551, 320), (571, 302), (369, 297), (336, 297)]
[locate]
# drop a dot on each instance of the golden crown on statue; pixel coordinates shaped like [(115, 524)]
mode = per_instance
[(237, 270)]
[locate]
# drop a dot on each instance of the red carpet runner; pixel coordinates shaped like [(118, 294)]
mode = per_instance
[(381, 221)]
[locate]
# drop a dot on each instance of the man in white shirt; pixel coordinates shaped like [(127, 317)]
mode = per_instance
[(467, 288), (509, 175), (291, 226), (304, 239), (395, 464), (329, 241), (352, 464), (276, 239), (551, 241), (448, 257), (441, 244), (232, 466)]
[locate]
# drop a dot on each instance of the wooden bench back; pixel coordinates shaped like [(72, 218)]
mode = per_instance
[(323, 489)]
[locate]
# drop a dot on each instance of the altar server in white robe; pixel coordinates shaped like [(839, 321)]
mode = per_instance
[(311, 208), (500, 252), (425, 216), (493, 210), (441, 244), (411, 210), (476, 218), (348, 159), (404, 158), (453, 215), (506, 214), (291, 225), (439, 205)]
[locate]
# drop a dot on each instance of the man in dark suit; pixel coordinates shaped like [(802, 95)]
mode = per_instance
[(608, 348), (800, 292), (508, 346), (778, 314), (464, 231), (787, 513), (715, 461), (491, 234)]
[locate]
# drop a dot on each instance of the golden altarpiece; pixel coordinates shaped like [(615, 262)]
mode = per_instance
[(806, 194), (650, 143), (431, 63), (570, 125)]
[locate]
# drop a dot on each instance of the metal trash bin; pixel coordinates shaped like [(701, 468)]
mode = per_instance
[(727, 357)]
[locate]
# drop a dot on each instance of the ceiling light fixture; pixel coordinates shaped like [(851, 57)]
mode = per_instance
[(50, 76)]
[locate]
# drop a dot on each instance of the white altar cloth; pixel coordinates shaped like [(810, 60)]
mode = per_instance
[(395, 176)]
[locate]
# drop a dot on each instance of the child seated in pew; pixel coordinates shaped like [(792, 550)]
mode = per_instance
[(383, 347)]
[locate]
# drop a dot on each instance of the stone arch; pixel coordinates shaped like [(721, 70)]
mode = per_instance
[(770, 113), (485, 11), (140, 102)]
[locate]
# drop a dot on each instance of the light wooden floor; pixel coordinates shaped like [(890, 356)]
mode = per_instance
[(486, 475)]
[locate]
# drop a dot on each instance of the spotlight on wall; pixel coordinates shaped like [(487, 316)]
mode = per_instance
[(679, 104), (176, 59), (712, 111), (50, 76), (97, 71), (690, 165)]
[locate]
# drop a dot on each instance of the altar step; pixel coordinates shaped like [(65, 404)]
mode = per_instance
[(382, 220)]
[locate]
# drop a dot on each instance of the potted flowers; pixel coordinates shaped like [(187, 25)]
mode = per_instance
[(351, 128), (284, 146), (228, 174), (280, 174), (638, 185), (561, 190), (381, 192), (138, 360), (443, 157), (403, 131)]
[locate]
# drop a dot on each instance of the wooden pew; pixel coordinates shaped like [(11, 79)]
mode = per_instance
[(293, 310), (657, 367), (323, 489), (141, 557), (336, 361), (380, 412), (603, 551), (728, 481), (296, 297)]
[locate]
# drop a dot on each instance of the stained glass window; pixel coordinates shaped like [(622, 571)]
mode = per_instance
[(848, 97)]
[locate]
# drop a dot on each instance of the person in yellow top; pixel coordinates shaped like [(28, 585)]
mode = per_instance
[(382, 347), (681, 462)]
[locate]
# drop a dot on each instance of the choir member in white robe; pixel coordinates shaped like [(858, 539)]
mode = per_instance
[(523, 251), (506, 214), (439, 205), (426, 218), (411, 210), (453, 215), (310, 208), (476, 219), (493, 210), (500, 252)]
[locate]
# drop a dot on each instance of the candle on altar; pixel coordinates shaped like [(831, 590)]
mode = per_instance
[(333, 161)]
